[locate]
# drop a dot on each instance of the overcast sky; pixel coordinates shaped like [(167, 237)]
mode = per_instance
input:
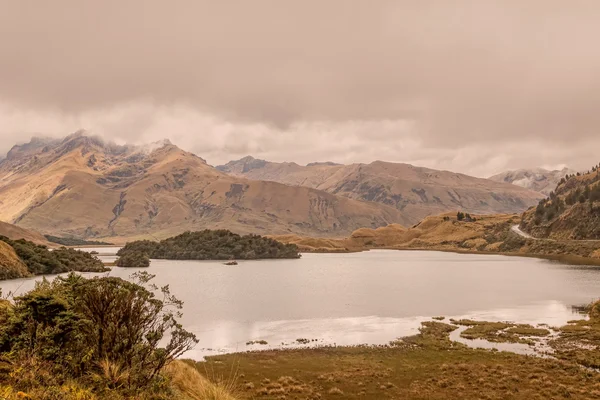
[(471, 86)]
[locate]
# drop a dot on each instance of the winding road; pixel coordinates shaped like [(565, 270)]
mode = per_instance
[(518, 231)]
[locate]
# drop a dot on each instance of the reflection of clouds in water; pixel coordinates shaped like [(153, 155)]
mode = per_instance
[(230, 336), (358, 298), (553, 313)]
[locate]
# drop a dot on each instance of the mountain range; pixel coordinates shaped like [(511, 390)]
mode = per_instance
[(84, 187), (415, 191)]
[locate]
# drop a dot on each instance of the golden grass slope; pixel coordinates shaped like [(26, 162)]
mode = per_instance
[(11, 266), (190, 384), (488, 234), (15, 232), (442, 232), (82, 187)]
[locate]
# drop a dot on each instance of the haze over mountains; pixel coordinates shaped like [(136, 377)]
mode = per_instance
[(415, 191), (538, 179)]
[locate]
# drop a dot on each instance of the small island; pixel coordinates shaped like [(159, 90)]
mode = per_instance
[(210, 245)]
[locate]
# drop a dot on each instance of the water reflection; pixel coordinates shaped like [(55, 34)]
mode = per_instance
[(372, 297)]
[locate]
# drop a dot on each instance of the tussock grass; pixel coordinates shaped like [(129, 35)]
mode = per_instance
[(427, 366), (194, 386)]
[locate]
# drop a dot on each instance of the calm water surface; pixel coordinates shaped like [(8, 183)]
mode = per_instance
[(371, 297)]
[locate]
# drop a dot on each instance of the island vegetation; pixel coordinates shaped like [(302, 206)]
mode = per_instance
[(133, 259), (70, 241), (211, 245), (39, 260)]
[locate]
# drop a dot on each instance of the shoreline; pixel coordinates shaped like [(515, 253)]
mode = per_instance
[(567, 259), (564, 258)]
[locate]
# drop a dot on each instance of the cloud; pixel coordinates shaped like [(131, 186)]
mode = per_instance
[(473, 86)]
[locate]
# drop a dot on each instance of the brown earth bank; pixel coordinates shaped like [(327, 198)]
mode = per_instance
[(487, 234)]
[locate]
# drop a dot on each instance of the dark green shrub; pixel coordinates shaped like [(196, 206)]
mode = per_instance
[(41, 261), (74, 326), (133, 259), (212, 245)]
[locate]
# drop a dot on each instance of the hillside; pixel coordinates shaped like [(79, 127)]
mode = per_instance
[(85, 188), (441, 232), (537, 179), (572, 212), (415, 191), (488, 234), (15, 232), (11, 266)]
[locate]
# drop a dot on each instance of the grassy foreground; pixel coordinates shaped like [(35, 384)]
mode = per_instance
[(426, 366), (182, 382)]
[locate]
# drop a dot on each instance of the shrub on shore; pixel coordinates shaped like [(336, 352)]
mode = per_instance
[(41, 261), (103, 337)]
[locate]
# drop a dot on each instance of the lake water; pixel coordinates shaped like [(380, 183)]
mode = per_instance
[(371, 297)]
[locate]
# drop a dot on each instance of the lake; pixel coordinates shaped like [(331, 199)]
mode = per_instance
[(371, 297)]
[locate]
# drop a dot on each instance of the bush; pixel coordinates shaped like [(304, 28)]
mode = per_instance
[(41, 261), (134, 259), (106, 332)]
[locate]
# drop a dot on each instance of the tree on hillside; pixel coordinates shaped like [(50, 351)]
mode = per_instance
[(460, 216)]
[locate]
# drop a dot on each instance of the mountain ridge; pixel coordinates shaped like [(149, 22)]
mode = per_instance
[(82, 186), (415, 191)]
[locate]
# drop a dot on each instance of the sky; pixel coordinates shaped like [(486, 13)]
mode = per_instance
[(476, 86)]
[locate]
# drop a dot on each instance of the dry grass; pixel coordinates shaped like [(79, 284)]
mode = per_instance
[(427, 366), (194, 386)]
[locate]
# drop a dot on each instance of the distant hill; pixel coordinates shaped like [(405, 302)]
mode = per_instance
[(489, 233), (486, 234), (415, 191), (11, 266), (537, 179), (22, 258), (83, 187), (16, 232), (572, 211)]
